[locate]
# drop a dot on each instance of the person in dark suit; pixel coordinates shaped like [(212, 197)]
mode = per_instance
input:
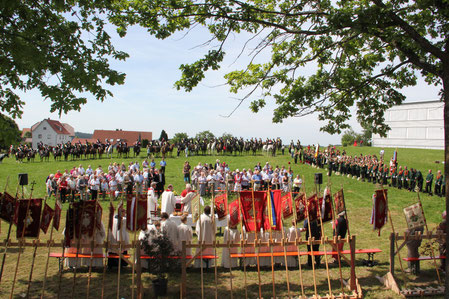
[(341, 228)]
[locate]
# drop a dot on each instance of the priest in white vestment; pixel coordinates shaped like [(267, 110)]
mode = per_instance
[(152, 202), (170, 229), (118, 234), (205, 230), (185, 234), (99, 236), (231, 235), (168, 200), (151, 231)]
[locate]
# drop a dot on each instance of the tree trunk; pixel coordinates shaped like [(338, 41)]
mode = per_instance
[(446, 162)]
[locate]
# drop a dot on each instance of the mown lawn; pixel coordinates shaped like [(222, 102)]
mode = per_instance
[(358, 200)]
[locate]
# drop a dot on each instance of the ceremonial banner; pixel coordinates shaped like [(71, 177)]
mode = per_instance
[(221, 206), (246, 199), (326, 206), (273, 219), (47, 216), (99, 216), (312, 208), (7, 207), (380, 209), (234, 214), (85, 217), (339, 200), (69, 231), (27, 217), (136, 213), (120, 212), (111, 216), (395, 156), (58, 209), (414, 216), (317, 150), (300, 205), (287, 205)]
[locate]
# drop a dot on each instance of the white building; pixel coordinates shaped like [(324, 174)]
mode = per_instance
[(414, 125), (50, 132)]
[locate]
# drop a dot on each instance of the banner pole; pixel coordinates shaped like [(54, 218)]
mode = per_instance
[(285, 251), (271, 244), (256, 241), (92, 246), (49, 245), (336, 242), (310, 240), (10, 225), (297, 246), (215, 241), (243, 243), (35, 249), (78, 244), (229, 243)]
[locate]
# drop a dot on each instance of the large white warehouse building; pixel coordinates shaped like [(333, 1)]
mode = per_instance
[(414, 125)]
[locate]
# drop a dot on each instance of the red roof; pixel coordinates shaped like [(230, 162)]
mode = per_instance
[(128, 136), (58, 127), (83, 140)]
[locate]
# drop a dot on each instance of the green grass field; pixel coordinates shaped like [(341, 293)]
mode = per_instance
[(358, 201)]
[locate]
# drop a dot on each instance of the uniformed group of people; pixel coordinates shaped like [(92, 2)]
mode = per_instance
[(372, 169)]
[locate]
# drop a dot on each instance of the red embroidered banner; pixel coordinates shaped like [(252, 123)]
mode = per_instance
[(57, 216), (287, 205), (253, 216), (234, 214), (27, 217), (312, 207), (136, 213), (221, 206), (7, 207), (47, 216), (272, 217), (326, 206), (300, 205)]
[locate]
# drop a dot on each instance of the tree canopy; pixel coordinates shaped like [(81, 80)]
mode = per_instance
[(164, 136), (9, 132), (178, 137), (205, 135), (363, 51), (58, 47)]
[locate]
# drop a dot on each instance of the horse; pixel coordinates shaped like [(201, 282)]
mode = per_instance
[(3, 156), (136, 150)]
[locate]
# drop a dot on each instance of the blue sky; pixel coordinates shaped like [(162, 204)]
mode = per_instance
[(148, 100)]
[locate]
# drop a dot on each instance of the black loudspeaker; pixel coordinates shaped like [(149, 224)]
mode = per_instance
[(318, 178), (23, 179)]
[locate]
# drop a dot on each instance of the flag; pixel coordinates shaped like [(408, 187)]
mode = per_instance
[(414, 216), (98, 216), (136, 213), (300, 206), (7, 207), (317, 150), (57, 216), (111, 215), (250, 222), (120, 213), (395, 156), (287, 205), (326, 206), (47, 216), (221, 206), (27, 217), (380, 209), (234, 214), (339, 200), (273, 219), (312, 208)]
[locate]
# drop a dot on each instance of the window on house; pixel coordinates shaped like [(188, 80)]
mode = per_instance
[(39, 136), (44, 128)]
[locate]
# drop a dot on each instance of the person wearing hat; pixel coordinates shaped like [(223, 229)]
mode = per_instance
[(341, 227)]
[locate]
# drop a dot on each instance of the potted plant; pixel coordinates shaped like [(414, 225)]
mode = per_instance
[(161, 251)]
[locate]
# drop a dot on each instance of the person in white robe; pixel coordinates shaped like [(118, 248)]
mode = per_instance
[(72, 262), (170, 229), (292, 234), (205, 230), (231, 235), (186, 199), (185, 234), (250, 237), (152, 202), (277, 237), (151, 231), (118, 234), (168, 200), (98, 236), (264, 261)]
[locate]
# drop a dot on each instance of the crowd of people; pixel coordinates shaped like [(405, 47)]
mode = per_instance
[(89, 183), (376, 170)]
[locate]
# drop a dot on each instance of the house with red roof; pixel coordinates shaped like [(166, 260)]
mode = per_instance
[(51, 132), (114, 136)]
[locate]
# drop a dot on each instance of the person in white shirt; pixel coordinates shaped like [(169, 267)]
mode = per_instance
[(152, 202), (170, 229), (138, 182), (94, 185), (205, 230), (113, 188), (99, 170), (81, 170), (231, 235), (186, 199), (237, 181), (185, 234), (89, 171), (168, 200)]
